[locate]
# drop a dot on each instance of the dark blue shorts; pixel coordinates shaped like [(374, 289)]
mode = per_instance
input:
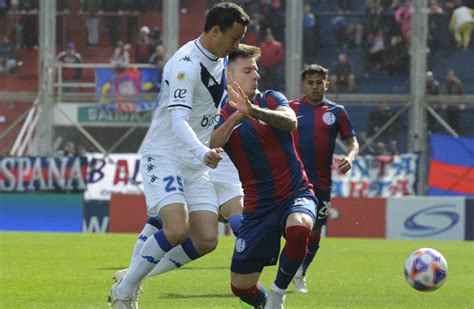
[(258, 244), (324, 203)]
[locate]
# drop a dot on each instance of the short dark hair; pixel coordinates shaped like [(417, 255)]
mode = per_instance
[(224, 15), (314, 69), (245, 51)]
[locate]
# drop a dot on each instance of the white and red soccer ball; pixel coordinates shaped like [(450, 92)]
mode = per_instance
[(426, 269)]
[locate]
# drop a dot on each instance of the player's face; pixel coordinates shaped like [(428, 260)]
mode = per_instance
[(315, 87), (226, 42), (244, 71)]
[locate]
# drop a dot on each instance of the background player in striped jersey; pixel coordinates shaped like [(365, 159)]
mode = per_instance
[(319, 123), (176, 156), (255, 130)]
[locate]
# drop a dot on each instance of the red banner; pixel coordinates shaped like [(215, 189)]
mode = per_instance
[(127, 213)]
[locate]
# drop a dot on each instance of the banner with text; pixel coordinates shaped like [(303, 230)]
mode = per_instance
[(59, 174), (380, 176)]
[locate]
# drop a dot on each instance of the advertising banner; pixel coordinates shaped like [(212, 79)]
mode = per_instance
[(357, 217), (58, 174), (118, 173), (426, 218), (380, 176), (96, 217)]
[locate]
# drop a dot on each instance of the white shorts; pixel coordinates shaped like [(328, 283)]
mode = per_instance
[(167, 182), (225, 179)]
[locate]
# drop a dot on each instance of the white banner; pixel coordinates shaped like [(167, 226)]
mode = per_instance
[(381, 176), (118, 173), (440, 218)]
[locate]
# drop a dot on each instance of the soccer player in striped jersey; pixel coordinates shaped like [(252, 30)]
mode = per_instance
[(176, 152), (319, 122), (255, 131)]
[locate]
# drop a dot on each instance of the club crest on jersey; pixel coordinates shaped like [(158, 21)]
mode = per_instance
[(329, 118), (181, 76), (239, 245)]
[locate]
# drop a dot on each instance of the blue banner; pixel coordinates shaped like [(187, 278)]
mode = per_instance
[(129, 90), (60, 174)]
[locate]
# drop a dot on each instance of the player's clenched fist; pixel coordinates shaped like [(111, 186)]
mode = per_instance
[(212, 157)]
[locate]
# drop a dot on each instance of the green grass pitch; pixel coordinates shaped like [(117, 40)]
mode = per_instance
[(42, 270)]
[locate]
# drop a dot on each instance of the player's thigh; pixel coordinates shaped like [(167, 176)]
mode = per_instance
[(231, 207), (302, 212), (244, 281), (203, 226), (163, 183)]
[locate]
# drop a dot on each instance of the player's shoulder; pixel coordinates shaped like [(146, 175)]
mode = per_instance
[(185, 58), (332, 104), (274, 95)]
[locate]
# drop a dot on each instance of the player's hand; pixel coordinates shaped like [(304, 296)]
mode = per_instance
[(212, 157), (238, 99), (344, 164)]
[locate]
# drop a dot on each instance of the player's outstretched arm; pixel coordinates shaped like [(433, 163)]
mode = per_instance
[(283, 118), (220, 136)]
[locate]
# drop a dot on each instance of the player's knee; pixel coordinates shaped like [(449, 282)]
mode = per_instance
[(205, 245), (296, 242), (177, 233)]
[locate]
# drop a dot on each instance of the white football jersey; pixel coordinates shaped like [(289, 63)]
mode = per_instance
[(192, 79)]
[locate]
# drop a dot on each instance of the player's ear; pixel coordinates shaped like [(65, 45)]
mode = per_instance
[(215, 31)]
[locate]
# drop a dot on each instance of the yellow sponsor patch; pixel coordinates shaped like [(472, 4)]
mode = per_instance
[(181, 76)]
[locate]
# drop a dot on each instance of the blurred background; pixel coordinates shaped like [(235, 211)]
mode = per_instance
[(79, 79)]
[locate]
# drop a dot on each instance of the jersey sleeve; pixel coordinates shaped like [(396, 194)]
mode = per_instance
[(276, 99), (182, 82), (345, 128)]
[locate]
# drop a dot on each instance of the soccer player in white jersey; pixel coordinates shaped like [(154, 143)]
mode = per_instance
[(176, 156)]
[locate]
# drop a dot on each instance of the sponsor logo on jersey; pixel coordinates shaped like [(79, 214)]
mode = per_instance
[(179, 93), (329, 118), (181, 76)]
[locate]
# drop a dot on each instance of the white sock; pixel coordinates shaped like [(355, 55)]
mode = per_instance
[(173, 259), (277, 289), (148, 230), (141, 266)]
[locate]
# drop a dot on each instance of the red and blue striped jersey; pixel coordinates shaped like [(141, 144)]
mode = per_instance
[(315, 139), (269, 166)]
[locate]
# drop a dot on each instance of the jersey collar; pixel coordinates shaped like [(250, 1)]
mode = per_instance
[(205, 52), (306, 101)]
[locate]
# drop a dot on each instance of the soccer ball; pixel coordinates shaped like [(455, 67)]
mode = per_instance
[(426, 269)]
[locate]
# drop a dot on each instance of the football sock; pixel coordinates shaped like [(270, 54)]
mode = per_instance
[(255, 296), (313, 246), (292, 254), (175, 258), (151, 227), (234, 222), (153, 250)]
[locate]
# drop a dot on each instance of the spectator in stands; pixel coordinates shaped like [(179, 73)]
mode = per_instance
[(16, 31), (8, 56), (155, 36), (252, 36), (403, 17), (453, 113), (432, 88), (3, 16), (309, 22), (92, 9), (461, 24), (111, 8), (271, 62), (158, 57), (374, 54), (144, 46), (393, 148), (273, 18), (70, 56), (69, 150), (343, 76), (121, 57), (378, 118), (29, 20), (395, 57)]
